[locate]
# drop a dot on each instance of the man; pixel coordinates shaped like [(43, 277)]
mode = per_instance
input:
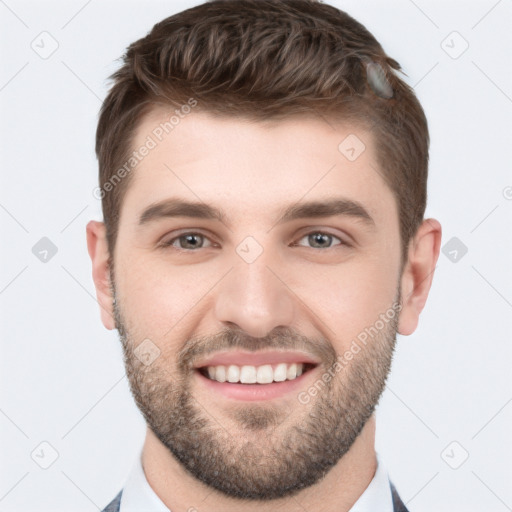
[(263, 176)]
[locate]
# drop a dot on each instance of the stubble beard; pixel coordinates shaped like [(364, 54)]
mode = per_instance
[(255, 453)]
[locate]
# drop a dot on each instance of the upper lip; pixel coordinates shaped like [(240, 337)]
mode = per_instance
[(241, 358)]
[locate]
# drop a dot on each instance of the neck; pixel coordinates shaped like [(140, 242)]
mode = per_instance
[(336, 492)]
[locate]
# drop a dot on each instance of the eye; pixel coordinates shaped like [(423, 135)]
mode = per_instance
[(187, 241), (192, 241), (321, 240)]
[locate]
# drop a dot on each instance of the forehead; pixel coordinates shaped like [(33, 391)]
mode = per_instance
[(248, 167)]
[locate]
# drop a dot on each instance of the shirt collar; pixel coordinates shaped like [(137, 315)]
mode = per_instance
[(138, 495), (377, 496)]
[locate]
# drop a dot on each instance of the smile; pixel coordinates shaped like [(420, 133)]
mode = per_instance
[(248, 374), (259, 375)]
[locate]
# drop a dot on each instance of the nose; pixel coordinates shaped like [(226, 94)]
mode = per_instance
[(255, 298)]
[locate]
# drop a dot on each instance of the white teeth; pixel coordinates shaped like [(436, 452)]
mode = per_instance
[(291, 372), (248, 374), (280, 372), (220, 373), (233, 374), (265, 374)]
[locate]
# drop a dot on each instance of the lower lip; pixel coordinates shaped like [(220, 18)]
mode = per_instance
[(254, 392)]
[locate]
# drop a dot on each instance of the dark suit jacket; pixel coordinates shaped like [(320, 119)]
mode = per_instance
[(398, 505)]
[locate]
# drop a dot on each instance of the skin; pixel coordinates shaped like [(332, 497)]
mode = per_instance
[(252, 171)]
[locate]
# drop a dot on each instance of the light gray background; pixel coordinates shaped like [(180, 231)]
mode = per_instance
[(62, 378)]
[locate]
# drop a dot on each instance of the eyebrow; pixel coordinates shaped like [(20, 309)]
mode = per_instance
[(174, 207)]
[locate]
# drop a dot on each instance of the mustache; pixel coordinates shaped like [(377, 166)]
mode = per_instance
[(281, 338)]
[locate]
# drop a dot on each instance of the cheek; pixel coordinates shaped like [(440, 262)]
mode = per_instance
[(158, 299), (347, 299)]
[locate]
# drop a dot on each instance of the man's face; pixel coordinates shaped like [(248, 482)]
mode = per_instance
[(254, 289)]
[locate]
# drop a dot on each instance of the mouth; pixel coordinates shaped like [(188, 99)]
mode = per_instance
[(259, 375), (262, 374)]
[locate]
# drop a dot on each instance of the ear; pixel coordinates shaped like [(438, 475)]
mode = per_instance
[(418, 274), (98, 251)]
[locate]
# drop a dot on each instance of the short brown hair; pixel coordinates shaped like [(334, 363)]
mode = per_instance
[(268, 59)]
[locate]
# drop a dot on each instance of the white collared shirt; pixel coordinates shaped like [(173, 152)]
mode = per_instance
[(139, 496)]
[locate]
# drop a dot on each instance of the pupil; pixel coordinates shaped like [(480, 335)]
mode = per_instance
[(320, 238), (190, 239)]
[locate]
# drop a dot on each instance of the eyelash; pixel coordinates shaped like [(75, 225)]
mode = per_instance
[(170, 242)]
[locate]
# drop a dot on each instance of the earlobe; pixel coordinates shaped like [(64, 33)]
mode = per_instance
[(418, 274), (98, 251)]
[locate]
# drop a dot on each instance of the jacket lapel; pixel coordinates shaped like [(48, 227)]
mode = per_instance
[(398, 505), (115, 504)]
